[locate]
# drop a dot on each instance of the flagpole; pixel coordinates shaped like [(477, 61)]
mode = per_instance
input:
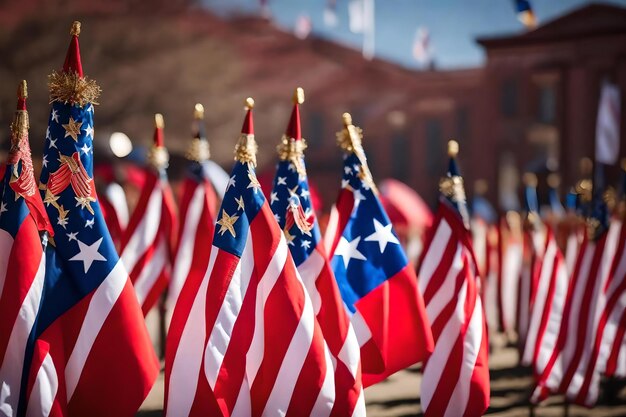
[(368, 29)]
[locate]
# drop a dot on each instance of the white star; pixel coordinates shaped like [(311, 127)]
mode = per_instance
[(3, 207), (231, 181), (291, 167), (345, 183), (274, 197), (90, 108), (305, 193), (305, 244), (89, 223), (281, 181), (356, 167), (71, 236), (88, 254), (53, 143), (89, 131), (44, 161), (62, 221), (347, 170), (55, 116), (86, 149), (277, 217), (348, 250), (48, 133), (365, 185), (382, 235), (358, 197)]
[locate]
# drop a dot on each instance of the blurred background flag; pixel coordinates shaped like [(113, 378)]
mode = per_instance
[(303, 26), (608, 124), (376, 281), (457, 371), (292, 206), (422, 48), (148, 243), (226, 355), (330, 13), (22, 261), (90, 338), (525, 13), (197, 213), (361, 15)]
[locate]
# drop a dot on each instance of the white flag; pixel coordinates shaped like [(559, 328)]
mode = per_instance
[(356, 15), (608, 125)]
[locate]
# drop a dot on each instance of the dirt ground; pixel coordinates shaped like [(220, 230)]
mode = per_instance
[(399, 394)]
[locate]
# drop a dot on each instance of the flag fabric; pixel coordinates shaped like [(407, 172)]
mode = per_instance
[(422, 48), (90, 338), (22, 261), (291, 203), (566, 365), (244, 339), (148, 244), (525, 13), (608, 124), (115, 210), (546, 312), (377, 284), (510, 256), (456, 375), (197, 213)]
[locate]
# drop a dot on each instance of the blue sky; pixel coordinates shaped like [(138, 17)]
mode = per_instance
[(453, 24)]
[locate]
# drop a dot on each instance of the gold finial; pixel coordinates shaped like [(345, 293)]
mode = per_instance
[(347, 119), (554, 180), (453, 148), (75, 30), (530, 179), (22, 90), (158, 121), (298, 96), (249, 103), (198, 111)]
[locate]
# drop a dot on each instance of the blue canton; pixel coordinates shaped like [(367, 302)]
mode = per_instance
[(289, 184), (369, 251)]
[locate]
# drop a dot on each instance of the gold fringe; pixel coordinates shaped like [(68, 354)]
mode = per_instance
[(246, 149), (158, 157), (19, 127), (72, 89), (199, 150), (453, 188), (293, 150), (350, 140)]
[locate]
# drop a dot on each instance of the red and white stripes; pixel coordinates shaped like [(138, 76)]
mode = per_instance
[(456, 376), (146, 249), (22, 270), (247, 329), (197, 212)]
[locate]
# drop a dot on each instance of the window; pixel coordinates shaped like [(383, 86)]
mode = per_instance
[(401, 155), (434, 148), (509, 98), (546, 109)]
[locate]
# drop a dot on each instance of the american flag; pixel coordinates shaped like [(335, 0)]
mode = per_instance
[(22, 261), (510, 254), (376, 281), (456, 375), (244, 339), (148, 243), (545, 314), (291, 203), (566, 369), (90, 338), (197, 211)]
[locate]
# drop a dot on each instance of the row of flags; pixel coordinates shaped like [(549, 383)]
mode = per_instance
[(556, 285), (268, 318)]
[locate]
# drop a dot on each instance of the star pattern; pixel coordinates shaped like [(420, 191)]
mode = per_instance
[(227, 224), (86, 149), (88, 254), (3, 207), (347, 250), (281, 181), (231, 182), (306, 244), (383, 235), (254, 182), (44, 161), (240, 204), (89, 223), (72, 129), (71, 236), (53, 143), (274, 197), (89, 131), (54, 116)]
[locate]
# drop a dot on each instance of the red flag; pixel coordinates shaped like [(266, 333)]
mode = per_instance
[(147, 246), (243, 338), (456, 374)]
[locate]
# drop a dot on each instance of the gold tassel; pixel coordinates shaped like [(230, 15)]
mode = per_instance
[(70, 88)]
